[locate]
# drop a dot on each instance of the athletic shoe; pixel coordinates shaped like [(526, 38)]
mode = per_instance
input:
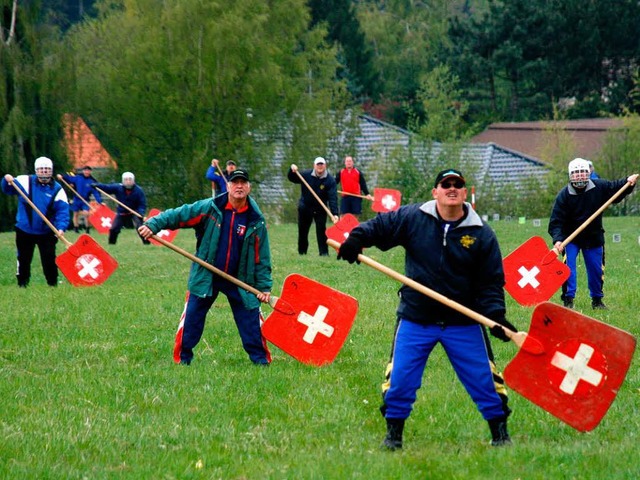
[(598, 304)]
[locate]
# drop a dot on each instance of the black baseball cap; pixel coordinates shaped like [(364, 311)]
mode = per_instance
[(449, 172), (239, 174)]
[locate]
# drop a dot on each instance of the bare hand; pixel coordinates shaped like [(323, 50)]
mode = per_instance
[(214, 162), (145, 232), (558, 246), (264, 297), (294, 167), (633, 179), (8, 178)]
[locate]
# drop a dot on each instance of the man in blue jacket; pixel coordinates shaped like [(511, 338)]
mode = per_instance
[(231, 235), (131, 195), (31, 231), (219, 182), (451, 251), (82, 185)]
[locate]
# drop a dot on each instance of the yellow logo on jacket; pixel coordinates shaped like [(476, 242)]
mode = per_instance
[(466, 241)]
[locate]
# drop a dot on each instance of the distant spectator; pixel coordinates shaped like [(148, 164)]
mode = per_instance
[(131, 195), (309, 208), (592, 171), (82, 185), (219, 183), (353, 182)]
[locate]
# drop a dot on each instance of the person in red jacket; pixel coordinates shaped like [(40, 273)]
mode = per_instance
[(353, 183)]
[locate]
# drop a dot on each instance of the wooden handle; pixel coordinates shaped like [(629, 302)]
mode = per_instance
[(592, 217), (119, 202), (66, 184), (518, 338), (274, 302), (352, 194)]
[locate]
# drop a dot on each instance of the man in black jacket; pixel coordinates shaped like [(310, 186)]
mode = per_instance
[(450, 250), (575, 203), (309, 209)]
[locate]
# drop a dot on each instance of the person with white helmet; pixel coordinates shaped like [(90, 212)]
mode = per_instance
[(575, 203), (31, 230), (130, 194), (309, 209)]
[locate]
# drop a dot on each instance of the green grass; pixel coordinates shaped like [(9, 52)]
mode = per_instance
[(89, 390)]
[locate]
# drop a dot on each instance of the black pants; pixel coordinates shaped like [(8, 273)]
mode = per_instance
[(124, 220), (26, 244), (305, 219)]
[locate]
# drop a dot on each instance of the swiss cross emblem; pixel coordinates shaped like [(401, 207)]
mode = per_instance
[(319, 324), (386, 200), (532, 273), (86, 263), (89, 267), (582, 366), (577, 368), (102, 219)]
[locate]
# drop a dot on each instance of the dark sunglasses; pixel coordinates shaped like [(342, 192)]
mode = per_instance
[(452, 183)]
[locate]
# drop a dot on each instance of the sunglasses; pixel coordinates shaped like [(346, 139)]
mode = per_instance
[(452, 183)]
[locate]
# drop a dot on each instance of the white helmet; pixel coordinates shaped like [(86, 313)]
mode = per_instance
[(579, 172), (44, 169), (128, 180)]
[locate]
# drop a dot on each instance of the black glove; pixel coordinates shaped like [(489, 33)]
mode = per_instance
[(498, 330), (350, 249), (93, 185)]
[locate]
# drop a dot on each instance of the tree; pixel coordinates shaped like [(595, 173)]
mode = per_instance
[(520, 57), (406, 38), (30, 105), (183, 82), (343, 28)]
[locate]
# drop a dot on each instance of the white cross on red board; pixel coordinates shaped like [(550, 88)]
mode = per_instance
[(315, 324), (388, 202), (577, 369), (105, 222), (88, 266), (528, 277), (163, 233)]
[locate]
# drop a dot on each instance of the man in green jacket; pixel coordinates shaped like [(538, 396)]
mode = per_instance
[(231, 235)]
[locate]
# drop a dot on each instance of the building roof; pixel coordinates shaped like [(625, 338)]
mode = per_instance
[(535, 139), (378, 143), (83, 148)]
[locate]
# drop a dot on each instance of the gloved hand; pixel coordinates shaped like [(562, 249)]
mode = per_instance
[(498, 330), (350, 249), (93, 185)]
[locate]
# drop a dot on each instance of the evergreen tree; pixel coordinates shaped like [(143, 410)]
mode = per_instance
[(343, 28)]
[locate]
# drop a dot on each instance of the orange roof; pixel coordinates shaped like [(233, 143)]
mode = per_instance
[(83, 148), (532, 138)]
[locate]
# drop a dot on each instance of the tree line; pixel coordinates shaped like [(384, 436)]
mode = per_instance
[(167, 85)]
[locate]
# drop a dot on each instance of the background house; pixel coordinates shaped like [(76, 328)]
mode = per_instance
[(534, 139)]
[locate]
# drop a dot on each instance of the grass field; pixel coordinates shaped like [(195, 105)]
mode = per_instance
[(89, 389)]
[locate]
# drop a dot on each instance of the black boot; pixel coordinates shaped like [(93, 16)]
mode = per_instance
[(393, 439), (499, 434)]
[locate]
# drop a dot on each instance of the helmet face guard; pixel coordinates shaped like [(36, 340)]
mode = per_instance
[(44, 169), (579, 173), (44, 174)]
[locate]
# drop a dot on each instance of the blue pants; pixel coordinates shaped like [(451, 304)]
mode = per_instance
[(466, 350), (594, 264), (247, 322)]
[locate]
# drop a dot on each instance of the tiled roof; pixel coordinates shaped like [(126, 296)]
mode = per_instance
[(83, 148), (378, 143), (535, 138)]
